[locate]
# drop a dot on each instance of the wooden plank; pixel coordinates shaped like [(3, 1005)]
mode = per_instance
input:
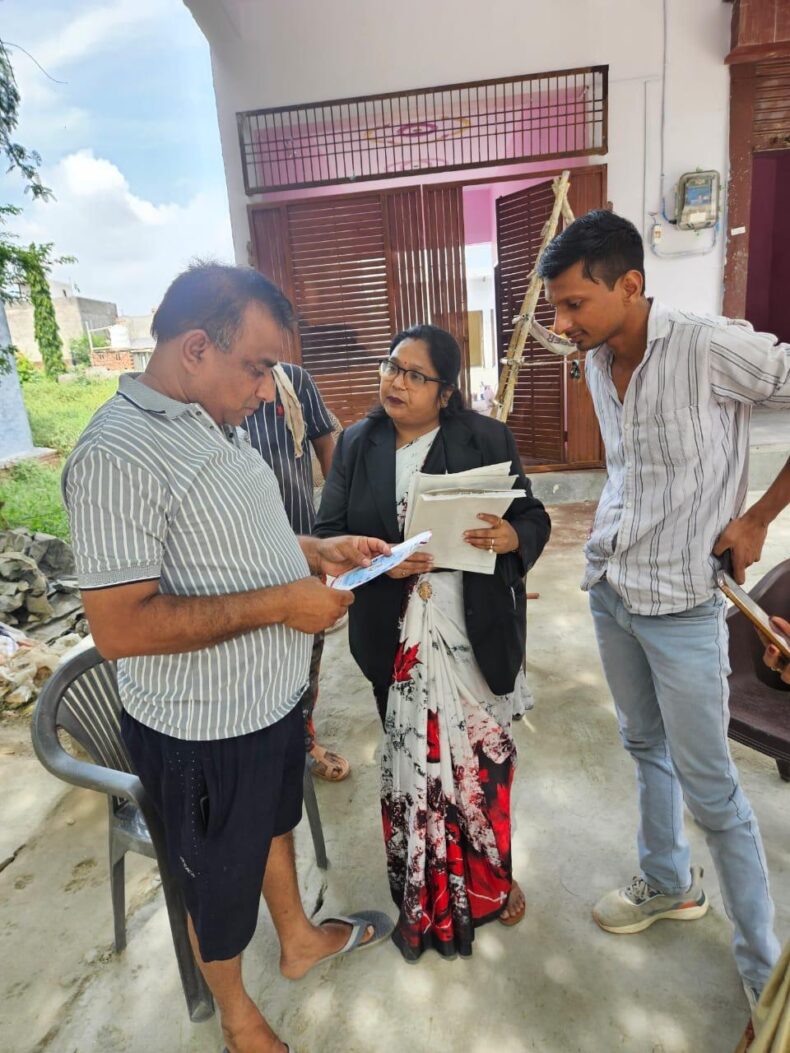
[(739, 192), (444, 240)]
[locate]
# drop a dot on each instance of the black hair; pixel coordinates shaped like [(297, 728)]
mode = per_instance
[(213, 297), (607, 245), (445, 356)]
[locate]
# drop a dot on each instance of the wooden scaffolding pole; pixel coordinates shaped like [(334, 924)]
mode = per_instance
[(513, 360)]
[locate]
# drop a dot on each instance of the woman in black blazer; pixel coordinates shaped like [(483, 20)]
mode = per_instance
[(444, 651)]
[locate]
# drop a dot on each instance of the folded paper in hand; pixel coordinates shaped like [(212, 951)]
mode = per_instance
[(447, 505), (352, 579)]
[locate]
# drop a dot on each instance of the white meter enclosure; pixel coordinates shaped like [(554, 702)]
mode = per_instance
[(697, 200)]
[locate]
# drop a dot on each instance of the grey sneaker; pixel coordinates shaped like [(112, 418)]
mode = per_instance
[(637, 906)]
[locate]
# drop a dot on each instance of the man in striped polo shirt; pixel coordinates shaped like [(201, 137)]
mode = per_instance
[(193, 580), (291, 415), (673, 394)]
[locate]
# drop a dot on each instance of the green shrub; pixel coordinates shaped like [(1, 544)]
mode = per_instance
[(30, 497), (59, 412), (80, 350), (25, 369)]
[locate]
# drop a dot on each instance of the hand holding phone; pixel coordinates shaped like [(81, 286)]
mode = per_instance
[(756, 615)]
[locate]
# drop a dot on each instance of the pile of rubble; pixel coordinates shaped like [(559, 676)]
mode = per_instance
[(41, 615)]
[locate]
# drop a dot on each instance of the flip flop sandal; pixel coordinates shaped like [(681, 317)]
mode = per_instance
[(514, 919), (360, 921), (331, 767)]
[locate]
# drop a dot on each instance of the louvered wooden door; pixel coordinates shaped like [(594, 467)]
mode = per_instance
[(537, 418), (771, 127), (552, 416), (359, 268), (584, 445)]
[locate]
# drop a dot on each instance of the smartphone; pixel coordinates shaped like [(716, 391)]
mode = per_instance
[(753, 612)]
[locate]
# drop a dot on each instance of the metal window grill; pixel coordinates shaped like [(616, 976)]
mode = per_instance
[(512, 119)]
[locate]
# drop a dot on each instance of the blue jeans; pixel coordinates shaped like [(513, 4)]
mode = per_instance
[(668, 677)]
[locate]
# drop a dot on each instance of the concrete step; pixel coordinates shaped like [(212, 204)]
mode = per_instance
[(559, 488)]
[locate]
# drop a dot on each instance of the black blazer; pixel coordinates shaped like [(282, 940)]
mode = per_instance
[(359, 498)]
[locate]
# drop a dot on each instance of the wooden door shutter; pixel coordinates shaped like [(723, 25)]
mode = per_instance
[(584, 445), (446, 261), (359, 268), (272, 255), (406, 257), (771, 128), (538, 413), (341, 289)]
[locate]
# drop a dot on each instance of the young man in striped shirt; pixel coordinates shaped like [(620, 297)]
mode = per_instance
[(673, 394), (291, 415), (193, 580)]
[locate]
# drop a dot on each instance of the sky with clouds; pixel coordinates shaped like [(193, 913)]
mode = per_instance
[(126, 126)]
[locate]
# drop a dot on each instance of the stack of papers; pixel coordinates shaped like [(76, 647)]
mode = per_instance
[(447, 505)]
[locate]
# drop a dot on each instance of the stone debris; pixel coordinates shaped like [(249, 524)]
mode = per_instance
[(23, 674), (41, 615)]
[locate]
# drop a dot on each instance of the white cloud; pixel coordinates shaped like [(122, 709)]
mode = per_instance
[(67, 41), (96, 30), (128, 248)]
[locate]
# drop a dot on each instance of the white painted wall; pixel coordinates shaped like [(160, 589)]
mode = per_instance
[(277, 52)]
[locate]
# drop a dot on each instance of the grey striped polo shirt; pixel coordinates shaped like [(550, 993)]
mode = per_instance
[(677, 454), (156, 490)]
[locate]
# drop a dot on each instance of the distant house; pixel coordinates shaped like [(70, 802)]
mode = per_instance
[(129, 336), (75, 315), (131, 344)]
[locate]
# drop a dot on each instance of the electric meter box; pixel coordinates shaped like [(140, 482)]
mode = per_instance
[(697, 200)]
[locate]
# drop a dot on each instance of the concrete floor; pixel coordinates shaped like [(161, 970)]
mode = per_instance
[(555, 984)]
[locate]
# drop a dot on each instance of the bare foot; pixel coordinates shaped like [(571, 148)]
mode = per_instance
[(325, 939), (246, 1031), (516, 905)]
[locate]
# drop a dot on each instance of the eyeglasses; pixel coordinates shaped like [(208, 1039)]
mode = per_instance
[(388, 367)]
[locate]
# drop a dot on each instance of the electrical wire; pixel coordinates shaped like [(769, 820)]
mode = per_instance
[(9, 44), (653, 215)]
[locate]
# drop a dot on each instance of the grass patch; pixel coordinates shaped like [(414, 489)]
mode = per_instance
[(30, 497), (59, 412)]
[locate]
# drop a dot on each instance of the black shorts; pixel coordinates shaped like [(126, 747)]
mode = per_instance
[(221, 803)]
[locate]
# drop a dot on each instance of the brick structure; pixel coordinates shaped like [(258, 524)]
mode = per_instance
[(107, 358)]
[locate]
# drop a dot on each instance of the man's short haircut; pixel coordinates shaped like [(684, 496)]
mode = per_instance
[(213, 297), (607, 245)]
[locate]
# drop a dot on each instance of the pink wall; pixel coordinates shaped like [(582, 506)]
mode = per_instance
[(480, 207), (467, 175)]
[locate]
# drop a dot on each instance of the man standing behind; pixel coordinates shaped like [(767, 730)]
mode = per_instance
[(673, 394), (193, 579), (291, 414)]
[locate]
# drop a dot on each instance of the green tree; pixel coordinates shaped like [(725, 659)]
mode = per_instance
[(24, 267)]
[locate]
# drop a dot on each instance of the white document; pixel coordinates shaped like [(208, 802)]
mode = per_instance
[(448, 513), (352, 579), (487, 477)]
